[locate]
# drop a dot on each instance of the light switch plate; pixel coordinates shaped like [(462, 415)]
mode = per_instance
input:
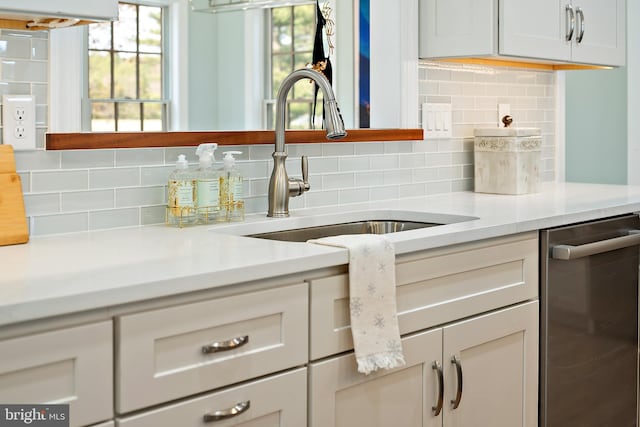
[(436, 120), (19, 121)]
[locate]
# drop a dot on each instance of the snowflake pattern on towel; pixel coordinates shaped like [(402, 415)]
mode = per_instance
[(355, 306)]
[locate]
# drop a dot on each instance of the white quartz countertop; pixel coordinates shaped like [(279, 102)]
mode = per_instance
[(58, 275)]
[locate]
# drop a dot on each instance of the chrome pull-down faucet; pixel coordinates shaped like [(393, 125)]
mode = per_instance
[(281, 187)]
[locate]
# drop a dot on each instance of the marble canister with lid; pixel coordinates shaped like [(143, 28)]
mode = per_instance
[(507, 160)]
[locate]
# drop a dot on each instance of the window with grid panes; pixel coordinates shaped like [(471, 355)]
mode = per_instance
[(126, 79), (292, 35)]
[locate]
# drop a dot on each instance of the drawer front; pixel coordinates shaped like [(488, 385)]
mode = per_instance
[(69, 366), (276, 401), (433, 288), (161, 355)]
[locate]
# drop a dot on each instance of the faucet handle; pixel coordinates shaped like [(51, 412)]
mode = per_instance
[(298, 186), (305, 173)]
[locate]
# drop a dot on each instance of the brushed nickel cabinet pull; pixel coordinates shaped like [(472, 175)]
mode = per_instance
[(456, 402), (438, 408), (225, 414), (571, 24), (225, 345), (580, 14)]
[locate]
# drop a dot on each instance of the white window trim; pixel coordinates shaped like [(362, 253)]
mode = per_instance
[(67, 62)]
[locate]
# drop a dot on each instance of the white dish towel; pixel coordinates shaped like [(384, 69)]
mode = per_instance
[(372, 300)]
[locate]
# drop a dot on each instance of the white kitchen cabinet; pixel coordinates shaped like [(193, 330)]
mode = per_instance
[(496, 363), (276, 401), (498, 357), (340, 396), (525, 30), (71, 366), (434, 287), (98, 10), (174, 352)]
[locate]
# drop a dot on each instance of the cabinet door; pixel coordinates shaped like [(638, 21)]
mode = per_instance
[(604, 37), (340, 396), (71, 366), (88, 9), (498, 360), (457, 28), (534, 29)]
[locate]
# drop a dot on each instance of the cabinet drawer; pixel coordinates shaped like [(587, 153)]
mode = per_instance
[(434, 287), (70, 366), (160, 354), (277, 401)]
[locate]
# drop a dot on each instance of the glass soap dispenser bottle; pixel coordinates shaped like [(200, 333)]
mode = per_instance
[(231, 189), (180, 206), (207, 185)]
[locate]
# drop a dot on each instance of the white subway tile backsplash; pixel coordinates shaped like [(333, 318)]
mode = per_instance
[(15, 47), (384, 193), (410, 161), (114, 218), (143, 156), (37, 160), (40, 204), (338, 149), (114, 177), (353, 195), (128, 197), (83, 190), (369, 179), (400, 176), (155, 175), (369, 148), (321, 198), (152, 215), (338, 180), (412, 190), (319, 165), (438, 187), (59, 181), (353, 163), (87, 200), (424, 174), (388, 161), (60, 223), (76, 159)]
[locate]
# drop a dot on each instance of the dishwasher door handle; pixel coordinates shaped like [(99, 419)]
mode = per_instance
[(568, 252)]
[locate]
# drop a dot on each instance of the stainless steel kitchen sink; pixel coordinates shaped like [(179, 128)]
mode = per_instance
[(357, 227)]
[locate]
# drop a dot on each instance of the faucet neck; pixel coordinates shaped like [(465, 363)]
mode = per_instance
[(281, 102)]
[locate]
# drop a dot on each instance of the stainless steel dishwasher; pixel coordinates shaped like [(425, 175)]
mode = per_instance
[(589, 324)]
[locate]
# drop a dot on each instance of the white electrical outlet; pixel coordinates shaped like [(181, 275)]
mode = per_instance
[(19, 121), (436, 120)]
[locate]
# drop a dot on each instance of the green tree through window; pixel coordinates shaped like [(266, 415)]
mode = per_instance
[(126, 87), (292, 34)]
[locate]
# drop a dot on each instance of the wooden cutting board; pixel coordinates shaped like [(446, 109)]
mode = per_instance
[(13, 219)]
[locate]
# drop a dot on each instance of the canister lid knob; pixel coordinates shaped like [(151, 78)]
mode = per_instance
[(507, 120)]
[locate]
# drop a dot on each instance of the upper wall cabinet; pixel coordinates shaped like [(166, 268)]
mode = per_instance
[(564, 31), (45, 10)]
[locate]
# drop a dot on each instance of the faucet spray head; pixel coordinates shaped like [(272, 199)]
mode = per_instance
[(333, 120)]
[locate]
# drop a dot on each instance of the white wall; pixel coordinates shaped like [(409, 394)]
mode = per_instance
[(633, 91)]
